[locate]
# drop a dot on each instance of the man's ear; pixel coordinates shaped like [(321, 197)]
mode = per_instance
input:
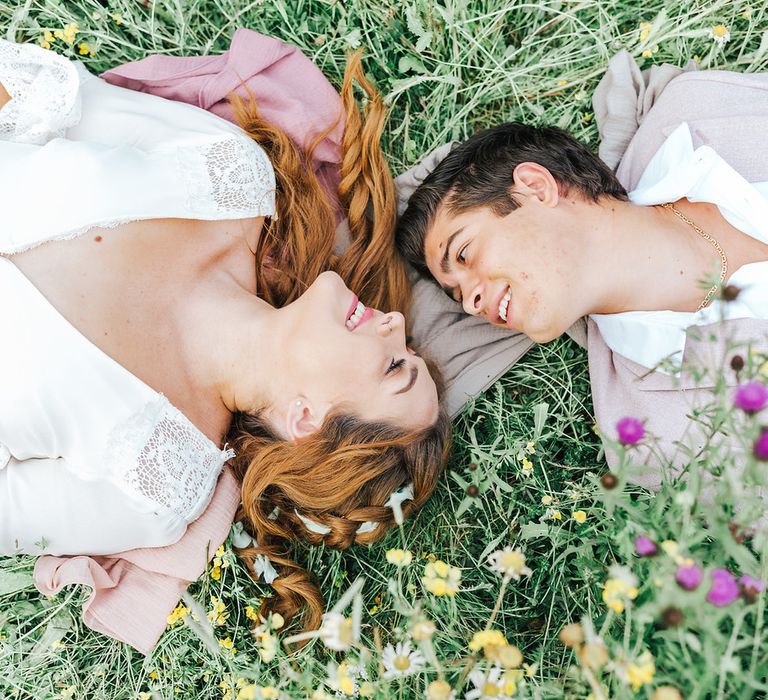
[(535, 180), (302, 419)]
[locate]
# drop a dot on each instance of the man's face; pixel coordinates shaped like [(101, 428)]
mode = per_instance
[(517, 271)]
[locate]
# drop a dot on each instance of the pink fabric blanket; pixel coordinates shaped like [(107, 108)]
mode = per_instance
[(133, 592)]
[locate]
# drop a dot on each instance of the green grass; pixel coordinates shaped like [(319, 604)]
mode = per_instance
[(446, 69)]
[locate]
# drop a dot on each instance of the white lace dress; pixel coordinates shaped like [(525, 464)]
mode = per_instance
[(92, 460)]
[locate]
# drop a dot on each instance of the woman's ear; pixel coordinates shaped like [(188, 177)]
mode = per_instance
[(302, 419), (534, 179)]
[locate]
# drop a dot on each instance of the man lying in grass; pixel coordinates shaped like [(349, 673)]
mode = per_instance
[(528, 229)]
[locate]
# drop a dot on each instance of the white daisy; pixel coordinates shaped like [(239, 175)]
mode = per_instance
[(509, 562), (719, 33), (401, 660), (492, 685), (337, 631)]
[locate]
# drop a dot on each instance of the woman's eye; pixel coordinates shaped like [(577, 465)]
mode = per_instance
[(395, 365)]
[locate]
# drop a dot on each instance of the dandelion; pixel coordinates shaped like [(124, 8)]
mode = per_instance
[(580, 517), (619, 589), (751, 397), (439, 690), (724, 588), (688, 577), (401, 660), (630, 430), (399, 557), (177, 615), (509, 562), (760, 448), (441, 579), (641, 672), (719, 33), (493, 684), (645, 547)]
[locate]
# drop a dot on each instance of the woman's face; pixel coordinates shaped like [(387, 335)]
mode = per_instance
[(347, 357)]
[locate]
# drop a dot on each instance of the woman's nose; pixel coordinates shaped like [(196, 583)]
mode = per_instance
[(391, 323)]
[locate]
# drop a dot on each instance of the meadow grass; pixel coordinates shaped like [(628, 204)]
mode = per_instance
[(446, 69)]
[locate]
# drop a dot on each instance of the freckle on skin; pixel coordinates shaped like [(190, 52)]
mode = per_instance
[(97, 239), (523, 275)]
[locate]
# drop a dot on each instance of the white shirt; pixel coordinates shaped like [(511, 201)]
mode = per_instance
[(700, 175), (92, 460)]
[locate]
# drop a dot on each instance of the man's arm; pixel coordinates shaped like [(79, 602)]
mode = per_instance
[(4, 96)]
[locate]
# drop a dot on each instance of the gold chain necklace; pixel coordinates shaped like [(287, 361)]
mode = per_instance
[(718, 248)]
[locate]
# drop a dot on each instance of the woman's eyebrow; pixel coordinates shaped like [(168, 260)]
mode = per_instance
[(411, 381)]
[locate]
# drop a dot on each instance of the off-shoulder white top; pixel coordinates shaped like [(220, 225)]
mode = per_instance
[(92, 460)]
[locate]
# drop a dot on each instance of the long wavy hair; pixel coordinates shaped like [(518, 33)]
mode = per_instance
[(342, 475)]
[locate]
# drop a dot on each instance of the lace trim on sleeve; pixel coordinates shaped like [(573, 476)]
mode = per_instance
[(230, 176), (45, 92), (160, 455)]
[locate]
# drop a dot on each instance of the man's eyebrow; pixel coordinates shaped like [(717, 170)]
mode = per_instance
[(411, 381), (444, 263)]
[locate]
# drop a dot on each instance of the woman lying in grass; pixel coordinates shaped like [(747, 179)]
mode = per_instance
[(166, 310)]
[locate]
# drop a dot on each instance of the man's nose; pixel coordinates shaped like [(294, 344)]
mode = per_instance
[(472, 300)]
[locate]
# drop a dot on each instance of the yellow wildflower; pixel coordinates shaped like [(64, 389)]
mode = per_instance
[(267, 645), (341, 680), (399, 557), (153, 674), (58, 645), (177, 615), (666, 692), (218, 614), (228, 644), (645, 30), (487, 638), (68, 692), (423, 630), (580, 517), (527, 466), (508, 656), (572, 635), (556, 515), (509, 562), (648, 53), (439, 690), (251, 613), (441, 579), (68, 33), (619, 589), (48, 36), (641, 672), (144, 695), (530, 447), (117, 18), (84, 50), (547, 500), (562, 83)]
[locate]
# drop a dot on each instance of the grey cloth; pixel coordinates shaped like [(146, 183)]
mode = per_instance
[(623, 98)]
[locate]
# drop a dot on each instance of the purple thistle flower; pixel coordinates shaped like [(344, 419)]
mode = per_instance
[(724, 588), (747, 581), (750, 588), (645, 547), (760, 448), (751, 397), (630, 430), (689, 577)]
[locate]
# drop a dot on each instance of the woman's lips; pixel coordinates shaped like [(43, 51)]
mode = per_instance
[(352, 307)]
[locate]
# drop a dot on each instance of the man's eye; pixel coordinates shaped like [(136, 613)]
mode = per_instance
[(395, 365), (461, 257)]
